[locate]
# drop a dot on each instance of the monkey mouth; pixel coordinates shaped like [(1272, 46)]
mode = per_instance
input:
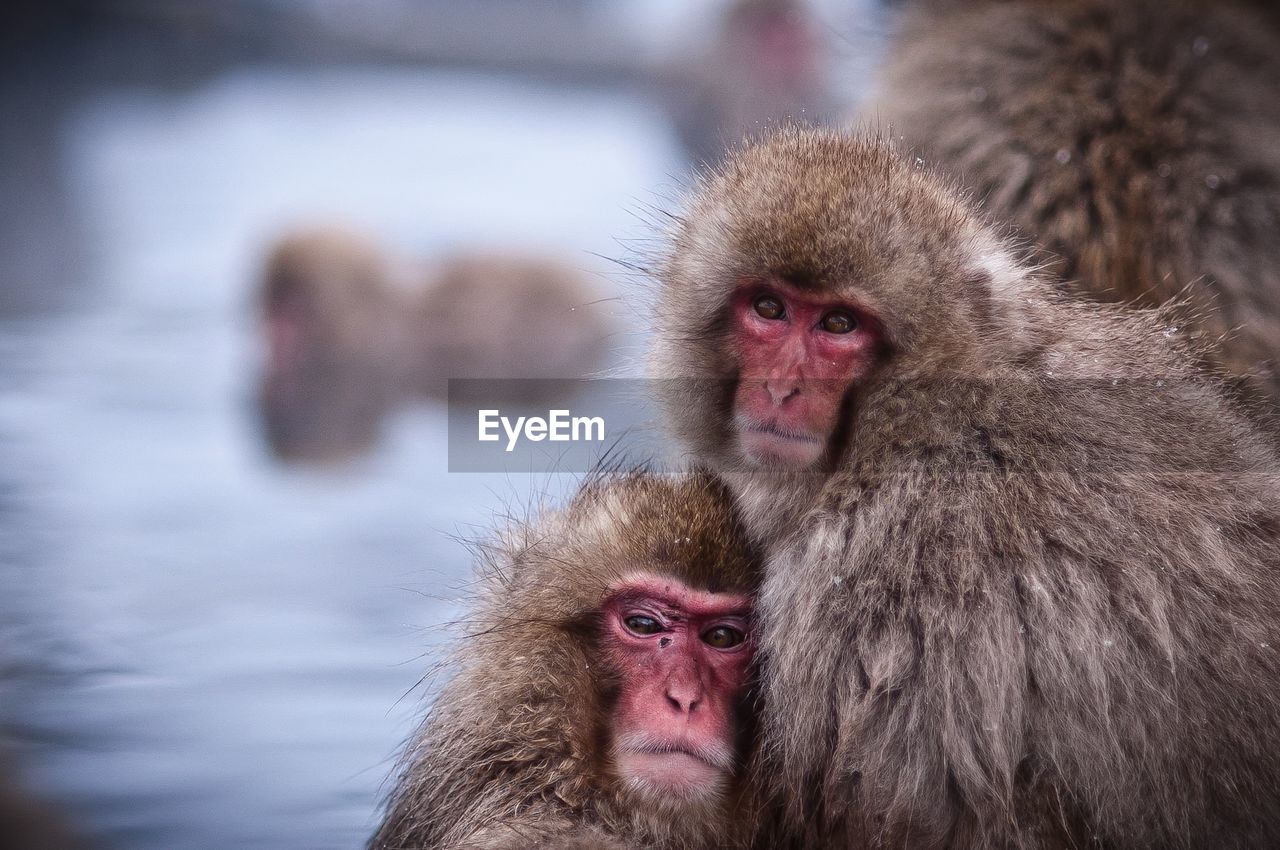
[(769, 444), (714, 760), (677, 775), (672, 766)]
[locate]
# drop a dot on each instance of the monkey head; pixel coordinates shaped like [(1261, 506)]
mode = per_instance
[(603, 685), (324, 297), (666, 579), (682, 657), (813, 268)]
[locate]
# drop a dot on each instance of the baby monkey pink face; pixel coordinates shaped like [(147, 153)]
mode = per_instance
[(799, 353), (684, 659)]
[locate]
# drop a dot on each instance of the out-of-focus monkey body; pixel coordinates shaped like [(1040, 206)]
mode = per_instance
[(1137, 141), (1030, 595), (331, 296), (521, 750), (353, 333)]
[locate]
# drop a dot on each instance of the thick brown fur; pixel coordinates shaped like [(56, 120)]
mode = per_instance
[(1034, 600), (1138, 141), (514, 752)]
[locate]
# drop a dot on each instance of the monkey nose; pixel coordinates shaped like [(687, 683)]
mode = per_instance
[(684, 697), (781, 390)]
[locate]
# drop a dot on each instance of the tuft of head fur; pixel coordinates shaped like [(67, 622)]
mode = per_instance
[(1137, 142), (515, 750), (1034, 601)]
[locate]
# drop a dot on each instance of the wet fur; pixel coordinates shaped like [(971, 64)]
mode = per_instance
[(1034, 599), (514, 752)]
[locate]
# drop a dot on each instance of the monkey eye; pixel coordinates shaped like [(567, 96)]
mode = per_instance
[(722, 637), (639, 624), (839, 322), (769, 307)]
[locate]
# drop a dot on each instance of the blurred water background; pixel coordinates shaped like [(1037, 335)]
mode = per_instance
[(202, 645)]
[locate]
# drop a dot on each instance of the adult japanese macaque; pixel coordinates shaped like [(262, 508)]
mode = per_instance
[(600, 692), (1138, 141), (352, 333), (1022, 572)]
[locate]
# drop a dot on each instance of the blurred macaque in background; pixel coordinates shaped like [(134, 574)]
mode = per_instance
[(767, 64), (351, 333), (1136, 143)]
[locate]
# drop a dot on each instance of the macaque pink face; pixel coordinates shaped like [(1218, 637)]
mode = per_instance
[(684, 657), (798, 354)]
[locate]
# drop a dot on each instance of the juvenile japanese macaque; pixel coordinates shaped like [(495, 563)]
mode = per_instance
[(600, 695), (352, 334), (767, 65), (1022, 571), (1138, 141)]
